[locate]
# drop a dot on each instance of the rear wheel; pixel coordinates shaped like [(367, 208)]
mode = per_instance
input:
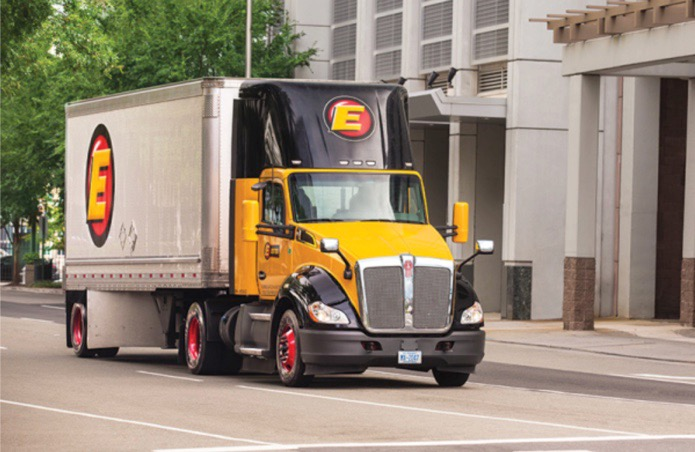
[(78, 335), (205, 357), (450, 379), (78, 331), (288, 357)]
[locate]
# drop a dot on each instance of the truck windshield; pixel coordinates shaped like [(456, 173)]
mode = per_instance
[(321, 197)]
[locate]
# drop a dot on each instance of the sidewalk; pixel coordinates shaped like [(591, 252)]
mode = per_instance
[(660, 340), (5, 286)]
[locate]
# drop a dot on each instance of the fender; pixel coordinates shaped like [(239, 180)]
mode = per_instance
[(307, 285), (464, 297)]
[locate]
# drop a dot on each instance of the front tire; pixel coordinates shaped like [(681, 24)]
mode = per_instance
[(288, 356), (450, 379)]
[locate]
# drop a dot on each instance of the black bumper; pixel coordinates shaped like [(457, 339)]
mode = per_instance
[(326, 351)]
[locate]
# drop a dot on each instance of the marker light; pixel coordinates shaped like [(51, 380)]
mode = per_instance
[(321, 313), (472, 315)]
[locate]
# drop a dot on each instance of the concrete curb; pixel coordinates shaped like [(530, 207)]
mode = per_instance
[(31, 290)]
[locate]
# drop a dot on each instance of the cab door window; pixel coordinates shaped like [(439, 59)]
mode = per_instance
[(273, 205)]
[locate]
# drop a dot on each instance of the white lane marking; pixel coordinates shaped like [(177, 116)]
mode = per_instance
[(447, 413), (48, 306), (128, 421), (169, 376), (474, 442), (662, 379), (544, 391), (668, 377), (3, 348), (36, 320)]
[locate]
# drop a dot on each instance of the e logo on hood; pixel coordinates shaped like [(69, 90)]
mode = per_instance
[(349, 118)]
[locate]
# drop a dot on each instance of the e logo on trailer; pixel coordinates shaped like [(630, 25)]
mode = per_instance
[(99, 185), (349, 118)]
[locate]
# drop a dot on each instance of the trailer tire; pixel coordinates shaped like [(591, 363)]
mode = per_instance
[(78, 331), (288, 356), (450, 379), (203, 357)]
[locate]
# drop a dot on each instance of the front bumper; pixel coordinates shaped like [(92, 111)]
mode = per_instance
[(330, 351)]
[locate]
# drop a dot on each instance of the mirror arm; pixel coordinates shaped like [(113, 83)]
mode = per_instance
[(347, 274), (465, 261)]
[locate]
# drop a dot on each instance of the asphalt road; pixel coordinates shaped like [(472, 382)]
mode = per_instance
[(522, 398)]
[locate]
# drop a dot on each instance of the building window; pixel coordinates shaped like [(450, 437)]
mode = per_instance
[(344, 31), (490, 31), (388, 36), (437, 21)]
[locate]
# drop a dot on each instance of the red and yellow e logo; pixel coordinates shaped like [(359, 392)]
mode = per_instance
[(349, 118), (99, 185)]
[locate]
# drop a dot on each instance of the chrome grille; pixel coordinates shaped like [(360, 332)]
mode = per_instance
[(405, 294), (431, 297), (385, 288)]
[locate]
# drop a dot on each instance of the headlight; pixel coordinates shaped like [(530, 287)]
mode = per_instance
[(320, 313), (472, 315)]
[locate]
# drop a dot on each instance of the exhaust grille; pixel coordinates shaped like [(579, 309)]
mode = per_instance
[(384, 289), (431, 297)]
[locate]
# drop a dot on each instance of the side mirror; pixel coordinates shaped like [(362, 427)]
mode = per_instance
[(330, 245), (250, 218), (333, 246), (460, 222), (484, 246)]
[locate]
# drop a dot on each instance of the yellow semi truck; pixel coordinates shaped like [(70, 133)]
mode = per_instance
[(263, 226)]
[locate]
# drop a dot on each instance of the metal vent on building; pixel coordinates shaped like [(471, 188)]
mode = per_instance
[(436, 54), (344, 39), (389, 30), (491, 44), (388, 64), (343, 70), (344, 10), (437, 20), (492, 78), (388, 5), (491, 12)]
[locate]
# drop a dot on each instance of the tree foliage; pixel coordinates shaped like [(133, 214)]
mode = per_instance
[(59, 51)]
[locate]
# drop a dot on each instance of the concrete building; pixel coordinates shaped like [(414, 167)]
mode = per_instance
[(496, 136)]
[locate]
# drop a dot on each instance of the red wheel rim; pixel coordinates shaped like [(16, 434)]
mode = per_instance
[(287, 349), (194, 339), (77, 327)]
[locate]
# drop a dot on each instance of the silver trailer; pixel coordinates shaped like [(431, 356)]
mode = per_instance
[(147, 207), (170, 166)]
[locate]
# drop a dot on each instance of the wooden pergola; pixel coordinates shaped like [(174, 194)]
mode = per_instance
[(616, 17)]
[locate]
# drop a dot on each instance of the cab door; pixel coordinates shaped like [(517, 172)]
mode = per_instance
[(274, 235)]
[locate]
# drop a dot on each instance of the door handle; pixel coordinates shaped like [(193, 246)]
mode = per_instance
[(261, 275)]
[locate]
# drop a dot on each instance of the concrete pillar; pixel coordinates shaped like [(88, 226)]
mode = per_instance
[(364, 54), (461, 180), (410, 53), (638, 197), (465, 81), (688, 265), (580, 226)]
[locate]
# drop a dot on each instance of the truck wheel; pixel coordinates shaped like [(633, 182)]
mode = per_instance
[(106, 352), (78, 331), (288, 357), (450, 379), (202, 356)]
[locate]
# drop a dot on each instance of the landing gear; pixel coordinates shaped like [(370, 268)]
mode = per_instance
[(287, 352)]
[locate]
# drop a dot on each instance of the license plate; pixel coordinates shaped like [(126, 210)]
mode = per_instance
[(410, 357)]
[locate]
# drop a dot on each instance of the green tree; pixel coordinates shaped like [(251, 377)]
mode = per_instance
[(166, 41)]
